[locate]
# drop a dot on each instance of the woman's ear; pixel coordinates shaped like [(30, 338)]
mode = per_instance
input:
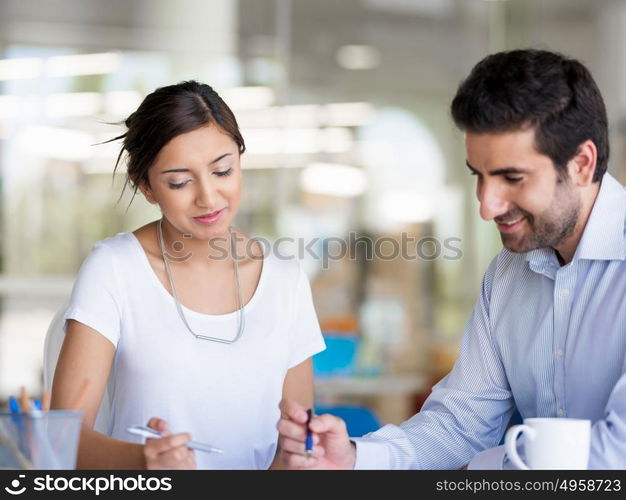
[(147, 192)]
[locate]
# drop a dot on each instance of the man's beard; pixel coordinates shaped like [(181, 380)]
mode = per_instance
[(549, 230)]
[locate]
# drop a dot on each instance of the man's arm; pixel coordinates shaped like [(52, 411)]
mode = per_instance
[(608, 436), (466, 413)]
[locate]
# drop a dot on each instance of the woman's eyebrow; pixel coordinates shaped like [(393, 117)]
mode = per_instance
[(187, 170)]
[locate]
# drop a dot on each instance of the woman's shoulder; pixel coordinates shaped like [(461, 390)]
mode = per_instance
[(113, 251), (116, 244)]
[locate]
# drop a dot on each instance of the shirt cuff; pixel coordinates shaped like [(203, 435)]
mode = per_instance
[(489, 459), (370, 454)]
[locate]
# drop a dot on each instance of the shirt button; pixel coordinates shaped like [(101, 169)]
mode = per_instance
[(565, 292), (559, 352), (561, 412)]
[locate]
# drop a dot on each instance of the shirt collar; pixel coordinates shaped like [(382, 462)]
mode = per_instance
[(603, 237)]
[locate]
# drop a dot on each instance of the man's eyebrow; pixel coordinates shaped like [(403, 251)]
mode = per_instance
[(500, 171), (187, 170)]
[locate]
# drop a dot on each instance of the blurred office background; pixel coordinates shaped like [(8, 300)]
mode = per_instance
[(344, 109)]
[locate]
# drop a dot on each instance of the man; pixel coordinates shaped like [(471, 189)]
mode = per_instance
[(548, 333)]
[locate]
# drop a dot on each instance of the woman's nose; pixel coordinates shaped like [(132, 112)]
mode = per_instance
[(206, 194)]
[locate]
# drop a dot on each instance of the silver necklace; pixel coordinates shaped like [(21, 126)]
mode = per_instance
[(240, 314)]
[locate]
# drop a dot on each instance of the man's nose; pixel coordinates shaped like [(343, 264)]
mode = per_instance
[(492, 202)]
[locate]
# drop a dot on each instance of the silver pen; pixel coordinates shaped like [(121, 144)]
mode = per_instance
[(142, 430)]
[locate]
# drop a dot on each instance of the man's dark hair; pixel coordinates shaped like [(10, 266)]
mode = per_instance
[(555, 95)]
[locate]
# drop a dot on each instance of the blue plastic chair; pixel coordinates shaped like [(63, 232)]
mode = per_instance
[(359, 419)]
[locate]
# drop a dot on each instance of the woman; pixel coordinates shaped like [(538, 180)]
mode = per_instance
[(186, 315)]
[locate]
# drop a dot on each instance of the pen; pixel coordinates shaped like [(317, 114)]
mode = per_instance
[(14, 406), (15, 441), (142, 430), (20, 444), (308, 442)]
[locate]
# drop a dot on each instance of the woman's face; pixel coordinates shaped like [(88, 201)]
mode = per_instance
[(196, 181)]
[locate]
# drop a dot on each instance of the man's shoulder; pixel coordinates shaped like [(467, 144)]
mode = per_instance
[(505, 269), (507, 261)]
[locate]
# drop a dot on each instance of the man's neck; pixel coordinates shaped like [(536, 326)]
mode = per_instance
[(567, 248)]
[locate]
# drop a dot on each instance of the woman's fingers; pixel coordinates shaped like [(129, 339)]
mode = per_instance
[(169, 451), (177, 458), (157, 446), (159, 424)]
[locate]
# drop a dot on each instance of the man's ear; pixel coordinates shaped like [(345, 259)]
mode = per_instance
[(147, 192), (583, 165)]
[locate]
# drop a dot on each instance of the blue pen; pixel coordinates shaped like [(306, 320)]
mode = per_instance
[(18, 446), (308, 442), (14, 406)]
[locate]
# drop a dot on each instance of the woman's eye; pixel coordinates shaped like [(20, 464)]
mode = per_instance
[(224, 173), (178, 185)]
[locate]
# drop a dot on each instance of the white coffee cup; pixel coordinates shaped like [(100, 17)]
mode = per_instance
[(550, 443)]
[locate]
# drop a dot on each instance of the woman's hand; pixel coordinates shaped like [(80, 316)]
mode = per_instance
[(170, 451)]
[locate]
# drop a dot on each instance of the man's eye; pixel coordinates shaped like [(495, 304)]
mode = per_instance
[(513, 180)]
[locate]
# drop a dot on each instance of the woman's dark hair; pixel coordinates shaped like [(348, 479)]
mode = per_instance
[(166, 113), (555, 95)]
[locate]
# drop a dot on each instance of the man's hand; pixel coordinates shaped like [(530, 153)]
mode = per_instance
[(332, 448)]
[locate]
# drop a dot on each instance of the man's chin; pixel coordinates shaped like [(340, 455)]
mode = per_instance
[(515, 245)]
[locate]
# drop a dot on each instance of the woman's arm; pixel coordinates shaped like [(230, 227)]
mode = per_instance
[(298, 386), (87, 355)]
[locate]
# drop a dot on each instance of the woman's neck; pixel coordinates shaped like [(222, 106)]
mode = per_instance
[(180, 247)]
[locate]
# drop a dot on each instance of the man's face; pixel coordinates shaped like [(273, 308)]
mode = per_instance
[(521, 191)]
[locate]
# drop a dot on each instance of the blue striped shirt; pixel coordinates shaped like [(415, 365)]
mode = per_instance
[(547, 339)]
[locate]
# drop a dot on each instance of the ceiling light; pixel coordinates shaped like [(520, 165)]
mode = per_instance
[(20, 69), (83, 64), (358, 57), (333, 179)]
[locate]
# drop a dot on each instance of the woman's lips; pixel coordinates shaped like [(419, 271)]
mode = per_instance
[(209, 218)]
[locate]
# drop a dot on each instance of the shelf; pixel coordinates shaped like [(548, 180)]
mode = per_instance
[(370, 386)]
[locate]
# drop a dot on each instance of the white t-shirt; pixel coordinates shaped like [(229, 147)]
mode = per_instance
[(226, 395)]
